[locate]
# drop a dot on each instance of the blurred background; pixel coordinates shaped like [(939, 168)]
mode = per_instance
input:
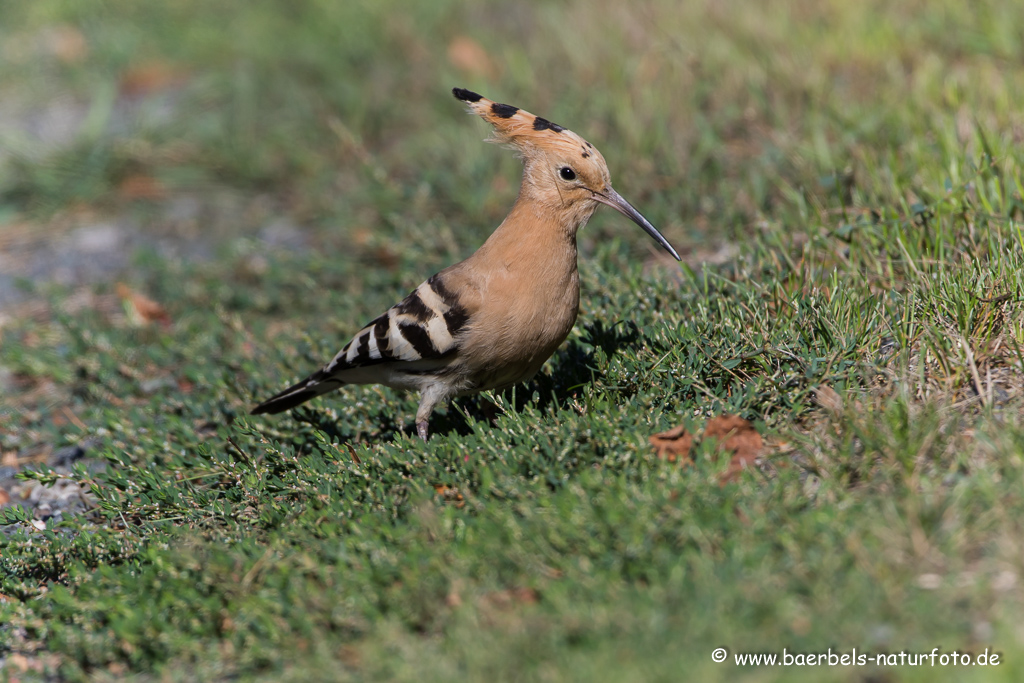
[(190, 130)]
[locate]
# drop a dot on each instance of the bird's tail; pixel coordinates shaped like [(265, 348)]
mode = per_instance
[(316, 384)]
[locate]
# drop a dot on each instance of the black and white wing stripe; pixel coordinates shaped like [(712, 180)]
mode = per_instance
[(422, 327)]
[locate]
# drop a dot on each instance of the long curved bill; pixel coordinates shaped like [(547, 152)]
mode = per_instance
[(614, 199)]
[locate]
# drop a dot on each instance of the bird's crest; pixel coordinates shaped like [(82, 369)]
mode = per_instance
[(521, 129)]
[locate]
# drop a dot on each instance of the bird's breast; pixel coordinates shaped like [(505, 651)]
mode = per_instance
[(522, 322)]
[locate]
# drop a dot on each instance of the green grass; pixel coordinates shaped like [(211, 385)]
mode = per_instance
[(846, 183)]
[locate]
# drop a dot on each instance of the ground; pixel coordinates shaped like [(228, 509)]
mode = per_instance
[(200, 202)]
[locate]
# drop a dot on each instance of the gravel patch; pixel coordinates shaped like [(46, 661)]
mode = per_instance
[(50, 504)]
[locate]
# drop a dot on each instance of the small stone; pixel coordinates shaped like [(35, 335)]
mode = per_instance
[(98, 238), (983, 632), (155, 384), (1004, 581)]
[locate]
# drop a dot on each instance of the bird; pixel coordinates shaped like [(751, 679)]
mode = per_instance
[(491, 321)]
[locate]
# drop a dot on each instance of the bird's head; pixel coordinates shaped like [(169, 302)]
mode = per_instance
[(562, 171)]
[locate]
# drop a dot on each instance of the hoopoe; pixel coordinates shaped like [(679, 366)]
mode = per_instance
[(492, 320)]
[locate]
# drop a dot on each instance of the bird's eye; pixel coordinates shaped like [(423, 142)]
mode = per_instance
[(567, 173)]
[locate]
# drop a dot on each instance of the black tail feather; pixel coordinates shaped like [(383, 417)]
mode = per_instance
[(297, 394)]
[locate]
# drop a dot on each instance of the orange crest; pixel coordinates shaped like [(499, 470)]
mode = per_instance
[(519, 127)]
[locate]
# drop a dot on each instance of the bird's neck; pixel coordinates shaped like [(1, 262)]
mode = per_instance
[(535, 232)]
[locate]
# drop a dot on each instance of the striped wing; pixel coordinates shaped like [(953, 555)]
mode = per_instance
[(423, 327)]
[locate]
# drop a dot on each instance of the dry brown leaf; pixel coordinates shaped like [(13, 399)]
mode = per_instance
[(144, 79), (511, 597), (386, 258), (737, 464), (738, 436), (22, 664), (141, 308), (141, 187), (351, 656), (732, 433), (740, 515), (361, 236), (829, 399), (73, 418), (450, 495), (673, 445), (67, 44), (352, 452), (469, 57)]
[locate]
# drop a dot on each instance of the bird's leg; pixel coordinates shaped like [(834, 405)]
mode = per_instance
[(430, 396)]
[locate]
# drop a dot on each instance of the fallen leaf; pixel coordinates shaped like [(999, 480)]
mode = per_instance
[(741, 515), (386, 258), (361, 236), (19, 662), (142, 309), (450, 495), (73, 418), (829, 399), (673, 445), (350, 656), (732, 433), (67, 44), (726, 427), (736, 435), (355, 456), (736, 465), (150, 77), (141, 187), (469, 57), (505, 599)]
